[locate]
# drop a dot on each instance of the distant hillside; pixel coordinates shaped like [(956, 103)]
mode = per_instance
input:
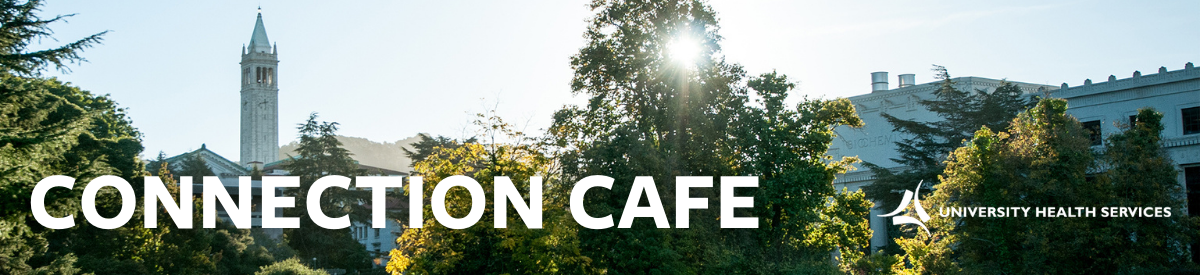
[(379, 154)]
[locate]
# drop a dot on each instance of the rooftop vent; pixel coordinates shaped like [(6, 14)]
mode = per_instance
[(879, 81), (907, 80)]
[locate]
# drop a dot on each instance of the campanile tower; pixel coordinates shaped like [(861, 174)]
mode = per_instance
[(260, 99)]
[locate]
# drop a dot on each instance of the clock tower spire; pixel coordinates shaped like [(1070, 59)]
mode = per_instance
[(260, 99)]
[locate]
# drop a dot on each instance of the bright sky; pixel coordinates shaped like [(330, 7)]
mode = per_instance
[(387, 70)]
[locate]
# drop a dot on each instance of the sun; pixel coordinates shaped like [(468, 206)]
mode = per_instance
[(684, 50)]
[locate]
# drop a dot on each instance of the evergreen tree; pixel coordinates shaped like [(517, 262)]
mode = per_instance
[(193, 165), (155, 167), (428, 145), (55, 129), (22, 27), (319, 154), (929, 142), (256, 173), (52, 128)]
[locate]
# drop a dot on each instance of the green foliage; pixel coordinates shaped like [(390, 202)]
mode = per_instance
[(652, 115), (928, 143), (880, 263), (289, 267), (155, 167), (166, 249), (67, 131), (483, 249), (806, 217), (923, 152), (51, 128), (22, 27), (64, 265), (319, 153), (1140, 173), (47, 128), (1044, 159), (1041, 161), (193, 165), (428, 145)]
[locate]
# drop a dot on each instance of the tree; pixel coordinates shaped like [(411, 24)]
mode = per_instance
[(483, 249), (961, 113), (52, 128), (655, 111), (649, 114), (165, 249), (155, 167), (193, 165), (319, 153), (22, 26), (930, 142), (1044, 159), (428, 145), (1140, 173), (805, 217), (289, 267)]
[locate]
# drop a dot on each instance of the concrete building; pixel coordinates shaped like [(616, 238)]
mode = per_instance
[(1106, 106), (380, 241), (260, 99)]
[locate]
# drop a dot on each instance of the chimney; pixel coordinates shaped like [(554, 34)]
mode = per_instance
[(907, 80), (879, 81)]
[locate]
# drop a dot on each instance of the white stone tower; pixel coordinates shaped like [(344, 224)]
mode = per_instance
[(260, 99)]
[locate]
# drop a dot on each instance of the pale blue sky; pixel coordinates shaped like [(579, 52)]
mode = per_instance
[(387, 70)]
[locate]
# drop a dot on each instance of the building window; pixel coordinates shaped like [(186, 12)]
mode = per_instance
[(1094, 134), (377, 233), (1191, 120)]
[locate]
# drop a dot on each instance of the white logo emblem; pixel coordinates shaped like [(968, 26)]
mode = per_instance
[(910, 196)]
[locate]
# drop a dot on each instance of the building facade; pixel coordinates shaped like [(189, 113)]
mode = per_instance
[(1105, 106), (379, 242), (229, 174)]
